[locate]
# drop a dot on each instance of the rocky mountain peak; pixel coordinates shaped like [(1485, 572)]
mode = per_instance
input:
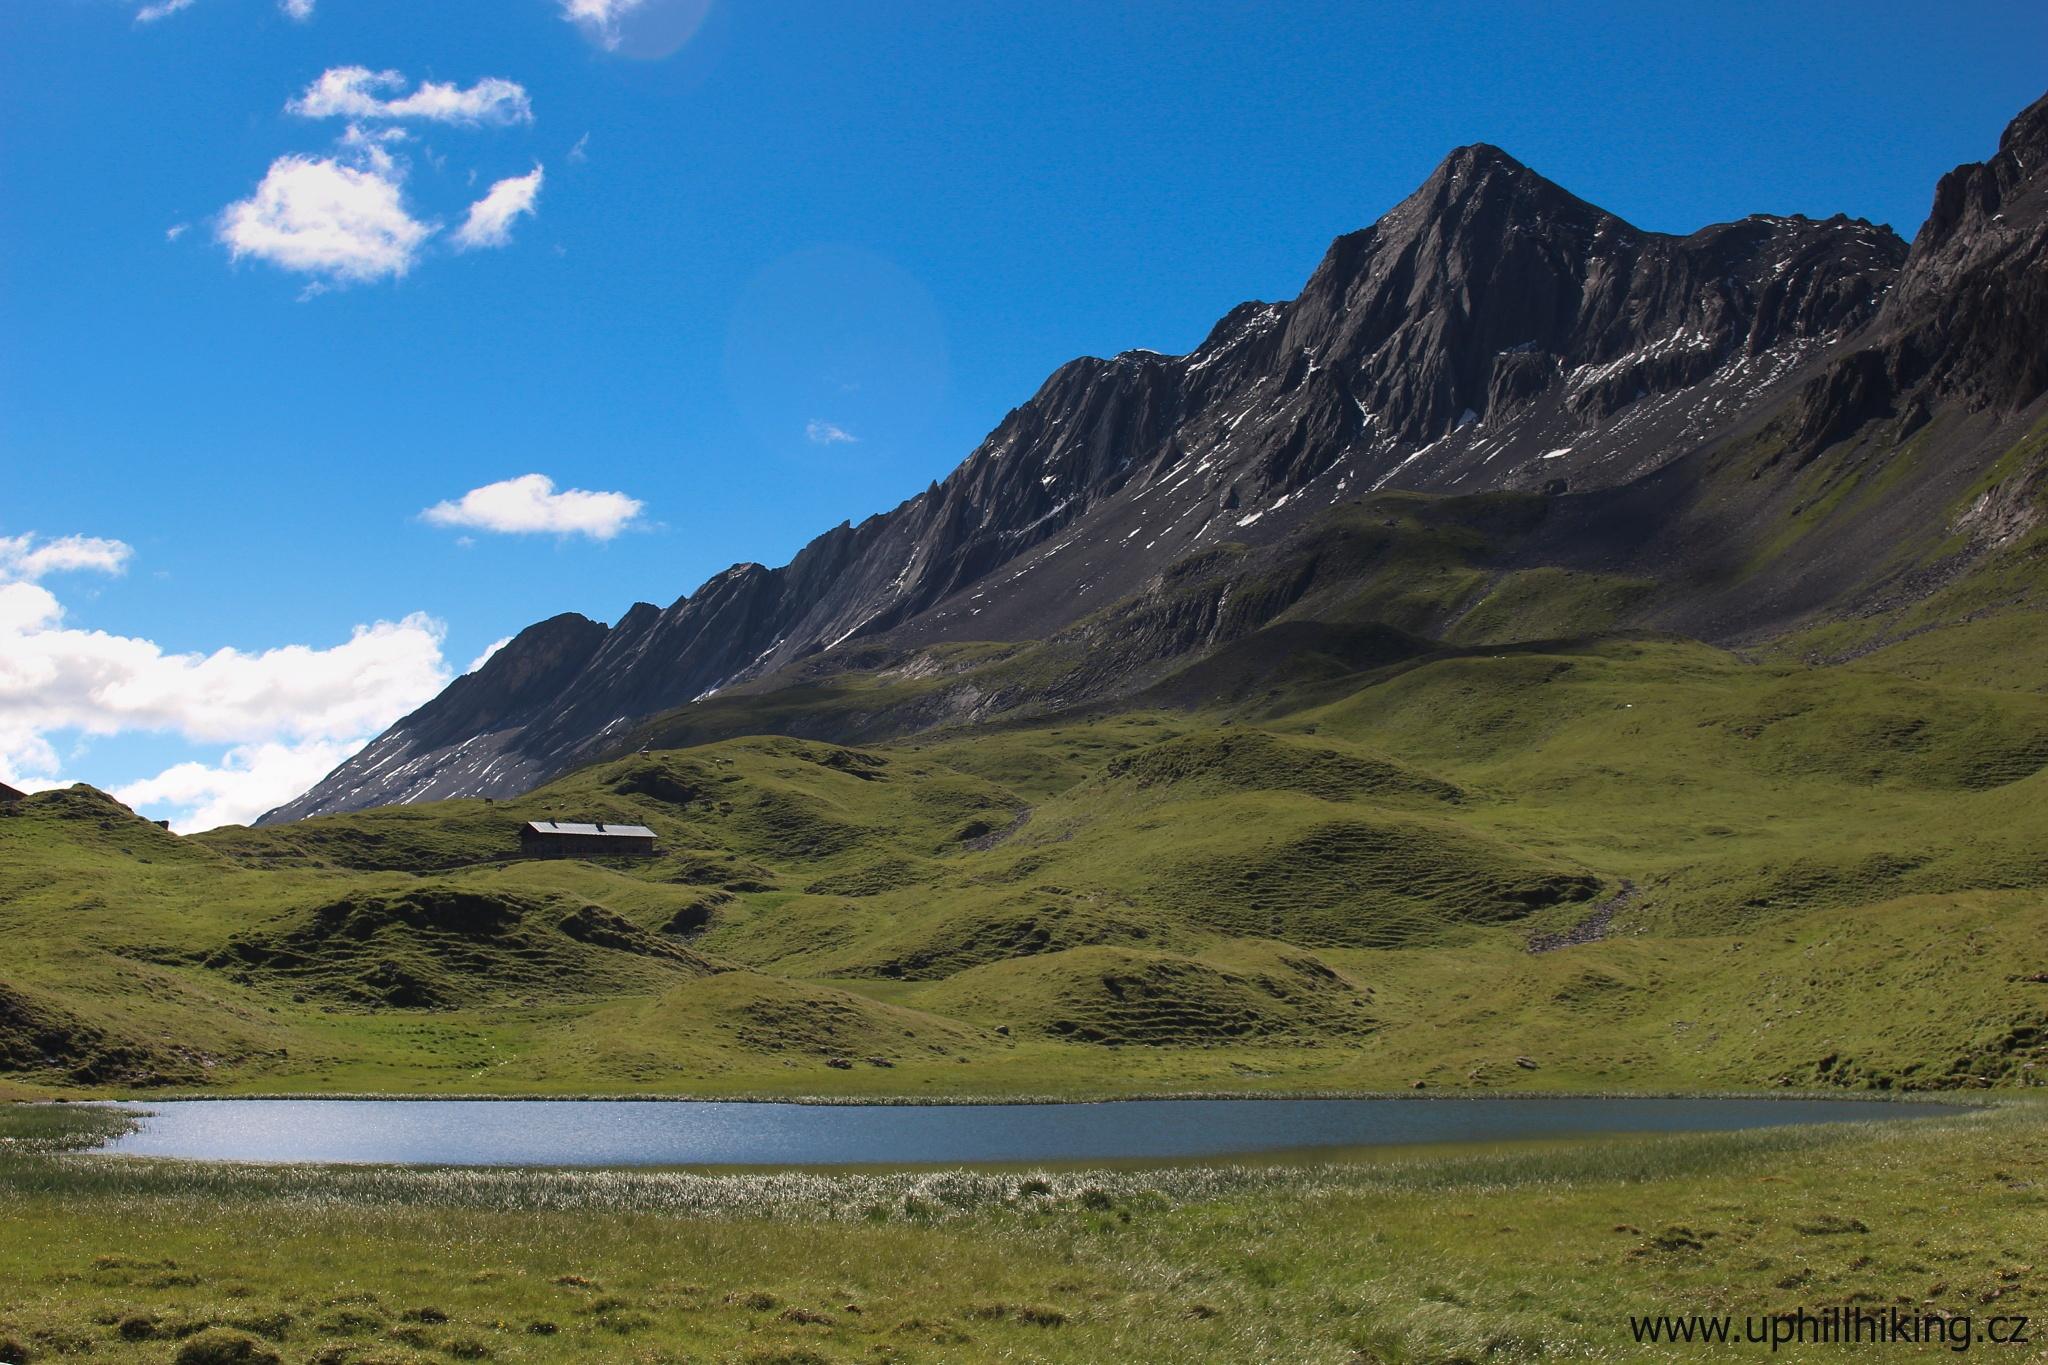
[(1491, 291), (2026, 137), (1974, 199), (1492, 331)]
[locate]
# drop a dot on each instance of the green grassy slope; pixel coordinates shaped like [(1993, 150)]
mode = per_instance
[(1790, 872)]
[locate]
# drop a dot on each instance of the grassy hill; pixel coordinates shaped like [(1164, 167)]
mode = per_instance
[(1318, 859)]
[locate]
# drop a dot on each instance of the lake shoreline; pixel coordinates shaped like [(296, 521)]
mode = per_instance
[(1978, 1098), (1531, 1233), (626, 1134)]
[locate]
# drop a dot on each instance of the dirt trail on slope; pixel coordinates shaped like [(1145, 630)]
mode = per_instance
[(1593, 927)]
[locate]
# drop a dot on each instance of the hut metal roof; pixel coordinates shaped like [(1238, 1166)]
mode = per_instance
[(590, 831)]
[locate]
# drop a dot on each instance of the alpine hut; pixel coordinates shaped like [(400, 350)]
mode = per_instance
[(563, 839)]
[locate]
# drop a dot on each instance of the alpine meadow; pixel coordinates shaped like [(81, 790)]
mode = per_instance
[(1543, 665)]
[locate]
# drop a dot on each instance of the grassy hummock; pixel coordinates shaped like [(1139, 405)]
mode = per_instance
[(1752, 880)]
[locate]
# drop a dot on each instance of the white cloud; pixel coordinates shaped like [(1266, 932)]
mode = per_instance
[(343, 218), (822, 433), (357, 92), (372, 147), (599, 19), (53, 677), (320, 216), (23, 560), (288, 714), (300, 11), (24, 607), (249, 780), (27, 760), (530, 503), (175, 231), (480, 660), (491, 217), (161, 9), (581, 151)]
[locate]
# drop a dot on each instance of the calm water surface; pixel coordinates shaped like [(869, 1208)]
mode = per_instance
[(705, 1133)]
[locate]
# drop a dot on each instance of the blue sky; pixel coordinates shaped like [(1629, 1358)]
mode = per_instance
[(755, 267)]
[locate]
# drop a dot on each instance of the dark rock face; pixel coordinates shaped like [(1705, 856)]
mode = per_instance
[(1490, 332), (1491, 290), (1968, 318)]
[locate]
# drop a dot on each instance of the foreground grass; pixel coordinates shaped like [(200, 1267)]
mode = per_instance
[(1523, 1253)]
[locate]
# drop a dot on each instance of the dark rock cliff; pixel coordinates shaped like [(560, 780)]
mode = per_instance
[(1968, 318)]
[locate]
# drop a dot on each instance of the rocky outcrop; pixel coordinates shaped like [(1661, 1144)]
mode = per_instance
[(1968, 318)]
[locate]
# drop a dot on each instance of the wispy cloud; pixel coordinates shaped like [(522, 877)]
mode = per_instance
[(357, 92), (490, 219), (819, 432), (531, 504), (30, 558), (160, 9), (599, 19), (300, 11)]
